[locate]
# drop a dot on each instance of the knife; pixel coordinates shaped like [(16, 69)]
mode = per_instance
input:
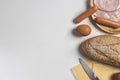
[(88, 70)]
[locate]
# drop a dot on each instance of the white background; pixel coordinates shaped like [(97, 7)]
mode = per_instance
[(36, 40)]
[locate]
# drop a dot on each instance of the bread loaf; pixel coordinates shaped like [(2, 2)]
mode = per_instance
[(103, 48)]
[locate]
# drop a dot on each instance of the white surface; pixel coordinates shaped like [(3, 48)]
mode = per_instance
[(36, 40)]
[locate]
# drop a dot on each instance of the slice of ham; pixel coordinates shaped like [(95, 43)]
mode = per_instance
[(109, 9), (115, 15), (107, 5), (103, 14)]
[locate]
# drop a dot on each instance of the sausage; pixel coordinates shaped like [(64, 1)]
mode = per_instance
[(116, 76), (85, 14), (107, 22)]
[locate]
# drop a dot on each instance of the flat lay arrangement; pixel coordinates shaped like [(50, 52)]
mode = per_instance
[(102, 51), (60, 40)]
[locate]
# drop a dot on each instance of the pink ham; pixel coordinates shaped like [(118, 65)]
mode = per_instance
[(109, 9), (107, 5), (100, 13), (115, 15)]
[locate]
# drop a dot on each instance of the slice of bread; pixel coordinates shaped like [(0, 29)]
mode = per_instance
[(102, 27), (103, 48)]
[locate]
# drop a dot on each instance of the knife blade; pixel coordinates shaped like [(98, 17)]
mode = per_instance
[(89, 72)]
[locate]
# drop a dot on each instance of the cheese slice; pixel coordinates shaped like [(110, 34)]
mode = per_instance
[(79, 72), (104, 72)]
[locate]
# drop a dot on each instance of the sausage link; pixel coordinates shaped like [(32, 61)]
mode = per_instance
[(107, 22), (85, 14)]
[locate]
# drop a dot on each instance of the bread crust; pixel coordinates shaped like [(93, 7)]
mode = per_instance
[(102, 27), (104, 49)]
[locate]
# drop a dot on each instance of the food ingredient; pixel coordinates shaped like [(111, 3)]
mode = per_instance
[(107, 22), (103, 72), (83, 30), (116, 76), (103, 48), (85, 14)]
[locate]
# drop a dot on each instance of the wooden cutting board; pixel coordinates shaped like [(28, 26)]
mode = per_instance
[(104, 72)]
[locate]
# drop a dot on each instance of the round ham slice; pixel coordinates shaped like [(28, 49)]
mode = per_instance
[(109, 9), (115, 15), (107, 5), (103, 14)]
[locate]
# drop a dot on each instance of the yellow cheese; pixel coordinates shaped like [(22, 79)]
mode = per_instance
[(104, 72), (79, 73)]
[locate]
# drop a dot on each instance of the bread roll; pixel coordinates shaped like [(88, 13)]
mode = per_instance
[(103, 48)]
